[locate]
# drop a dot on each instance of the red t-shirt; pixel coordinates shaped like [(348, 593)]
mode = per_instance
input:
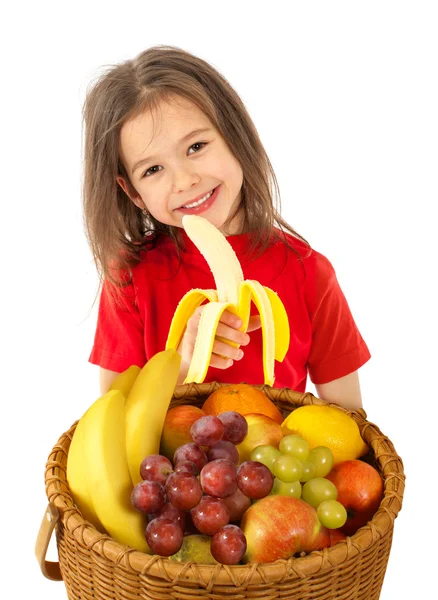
[(324, 342)]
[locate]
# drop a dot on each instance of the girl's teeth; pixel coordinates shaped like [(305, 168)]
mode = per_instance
[(206, 197)]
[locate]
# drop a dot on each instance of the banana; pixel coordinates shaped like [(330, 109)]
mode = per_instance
[(146, 407), (75, 459), (76, 478), (106, 471), (232, 293), (124, 381)]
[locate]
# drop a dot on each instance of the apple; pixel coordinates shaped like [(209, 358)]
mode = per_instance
[(336, 536), (176, 428), (261, 430), (279, 527), (360, 491)]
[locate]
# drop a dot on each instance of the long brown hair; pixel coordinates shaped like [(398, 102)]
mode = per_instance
[(116, 228)]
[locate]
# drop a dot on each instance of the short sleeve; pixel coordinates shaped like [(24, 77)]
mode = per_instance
[(337, 346), (119, 337)]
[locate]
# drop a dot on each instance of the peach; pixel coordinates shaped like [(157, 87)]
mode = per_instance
[(176, 428)]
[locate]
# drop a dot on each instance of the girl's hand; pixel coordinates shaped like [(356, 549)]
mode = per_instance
[(223, 354)]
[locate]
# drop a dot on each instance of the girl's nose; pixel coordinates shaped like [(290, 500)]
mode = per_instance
[(184, 178)]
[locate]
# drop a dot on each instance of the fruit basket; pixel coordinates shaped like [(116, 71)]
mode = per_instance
[(94, 566)]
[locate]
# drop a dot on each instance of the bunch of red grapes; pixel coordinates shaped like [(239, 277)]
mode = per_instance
[(203, 491)]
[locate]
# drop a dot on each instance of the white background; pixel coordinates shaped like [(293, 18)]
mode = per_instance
[(344, 95)]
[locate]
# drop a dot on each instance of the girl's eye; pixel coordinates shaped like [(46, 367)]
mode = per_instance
[(198, 146), (151, 171), (156, 168)]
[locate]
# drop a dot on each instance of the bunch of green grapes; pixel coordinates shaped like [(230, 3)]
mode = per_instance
[(300, 472)]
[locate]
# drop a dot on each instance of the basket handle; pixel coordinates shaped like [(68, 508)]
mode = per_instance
[(49, 569)]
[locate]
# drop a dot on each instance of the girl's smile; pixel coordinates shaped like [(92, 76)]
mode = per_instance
[(189, 169), (200, 205)]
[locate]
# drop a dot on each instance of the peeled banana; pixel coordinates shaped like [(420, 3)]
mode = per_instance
[(232, 293), (146, 407)]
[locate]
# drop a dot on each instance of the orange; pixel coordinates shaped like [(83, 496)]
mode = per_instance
[(242, 398)]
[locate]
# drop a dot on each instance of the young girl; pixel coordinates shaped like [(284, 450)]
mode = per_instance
[(165, 136)]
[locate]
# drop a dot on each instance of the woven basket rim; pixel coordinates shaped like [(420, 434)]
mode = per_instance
[(389, 463)]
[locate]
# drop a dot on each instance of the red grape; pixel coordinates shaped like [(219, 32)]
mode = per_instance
[(219, 478), (207, 431), (148, 496), (164, 537), (156, 468), (183, 490), (169, 511), (210, 515), (237, 504), (187, 466), (235, 426), (223, 449), (228, 545), (254, 479), (190, 528), (192, 452)]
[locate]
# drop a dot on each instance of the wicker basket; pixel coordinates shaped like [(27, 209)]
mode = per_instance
[(94, 566)]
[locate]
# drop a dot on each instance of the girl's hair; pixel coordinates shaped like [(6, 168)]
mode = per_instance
[(116, 228)]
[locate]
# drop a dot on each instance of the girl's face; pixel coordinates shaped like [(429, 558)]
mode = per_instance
[(179, 164)]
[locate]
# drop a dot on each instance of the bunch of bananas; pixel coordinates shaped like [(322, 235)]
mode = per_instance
[(110, 441)]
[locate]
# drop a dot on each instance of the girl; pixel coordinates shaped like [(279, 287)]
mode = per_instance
[(165, 136)]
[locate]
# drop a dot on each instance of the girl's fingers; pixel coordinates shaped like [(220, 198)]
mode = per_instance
[(254, 323), (218, 362), (228, 327), (229, 318), (223, 354), (234, 335), (226, 350)]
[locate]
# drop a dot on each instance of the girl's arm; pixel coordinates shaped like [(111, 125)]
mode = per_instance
[(106, 378), (344, 391)]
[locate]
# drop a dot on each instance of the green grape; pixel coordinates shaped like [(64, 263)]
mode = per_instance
[(322, 458), (309, 471), (317, 490), (294, 445), (265, 454), (332, 514), (281, 488), (288, 468)]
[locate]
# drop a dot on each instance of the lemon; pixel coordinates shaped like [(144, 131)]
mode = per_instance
[(195, 547), (327, 426)]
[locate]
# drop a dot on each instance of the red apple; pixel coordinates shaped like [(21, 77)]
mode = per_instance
[(279, 527), (360, 491), (176, 428), (336, 536)]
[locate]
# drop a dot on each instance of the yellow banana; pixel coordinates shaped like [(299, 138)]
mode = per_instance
[(75, 459), (106, 471), (146, 407), (124, 381), (232, 293), (76, 478)]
